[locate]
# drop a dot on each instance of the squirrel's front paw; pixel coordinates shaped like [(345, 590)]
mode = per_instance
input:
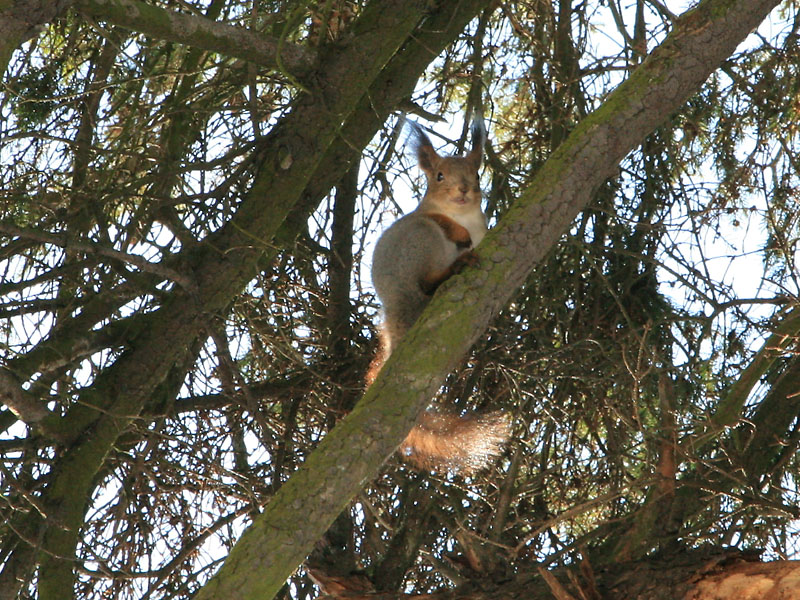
[(467, 259)]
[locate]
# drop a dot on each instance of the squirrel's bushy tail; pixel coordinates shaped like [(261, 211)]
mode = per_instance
[(446, 441), (466, 444), (381, 356)]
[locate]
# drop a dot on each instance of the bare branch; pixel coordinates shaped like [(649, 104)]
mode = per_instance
[(202, 33), (97, 250), (27, 408), (273, 547), (559, 591)]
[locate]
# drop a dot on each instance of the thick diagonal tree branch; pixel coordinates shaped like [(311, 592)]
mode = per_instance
[(370, 72), (222, 265), (201, 32), (353, 452)]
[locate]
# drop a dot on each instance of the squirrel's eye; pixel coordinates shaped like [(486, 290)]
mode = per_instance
[(440, 176)]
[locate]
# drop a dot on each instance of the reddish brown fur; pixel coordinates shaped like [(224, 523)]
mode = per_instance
[(412, 259), (467, 443), (453, 231)]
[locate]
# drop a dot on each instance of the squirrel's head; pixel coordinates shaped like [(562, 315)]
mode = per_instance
[(453, 181)]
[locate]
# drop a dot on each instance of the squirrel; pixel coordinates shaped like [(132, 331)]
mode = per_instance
[(415, 255)]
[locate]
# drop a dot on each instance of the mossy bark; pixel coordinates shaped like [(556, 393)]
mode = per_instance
[(223, 265), (372, 70), (353, 452)]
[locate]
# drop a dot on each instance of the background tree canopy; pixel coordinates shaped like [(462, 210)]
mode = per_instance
[(190, 194)]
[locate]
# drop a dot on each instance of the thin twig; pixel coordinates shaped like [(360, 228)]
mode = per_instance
[(558, 590), (95, 249)]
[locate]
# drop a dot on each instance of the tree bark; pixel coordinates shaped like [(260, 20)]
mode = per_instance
[(694, 576), (202, 33), (20, 20), (353, 452), (122, 391), (368, 73)]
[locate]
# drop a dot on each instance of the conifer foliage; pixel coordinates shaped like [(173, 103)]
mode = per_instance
[(190, 192)]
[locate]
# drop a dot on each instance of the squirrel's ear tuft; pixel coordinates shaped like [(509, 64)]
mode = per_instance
[(421, 143), (478, 140)]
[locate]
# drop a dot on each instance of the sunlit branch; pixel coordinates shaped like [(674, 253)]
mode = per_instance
[(202, 33), (94, 249), (27, 408)]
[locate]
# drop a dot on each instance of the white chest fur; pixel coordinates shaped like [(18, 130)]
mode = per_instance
[(474, 222)]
